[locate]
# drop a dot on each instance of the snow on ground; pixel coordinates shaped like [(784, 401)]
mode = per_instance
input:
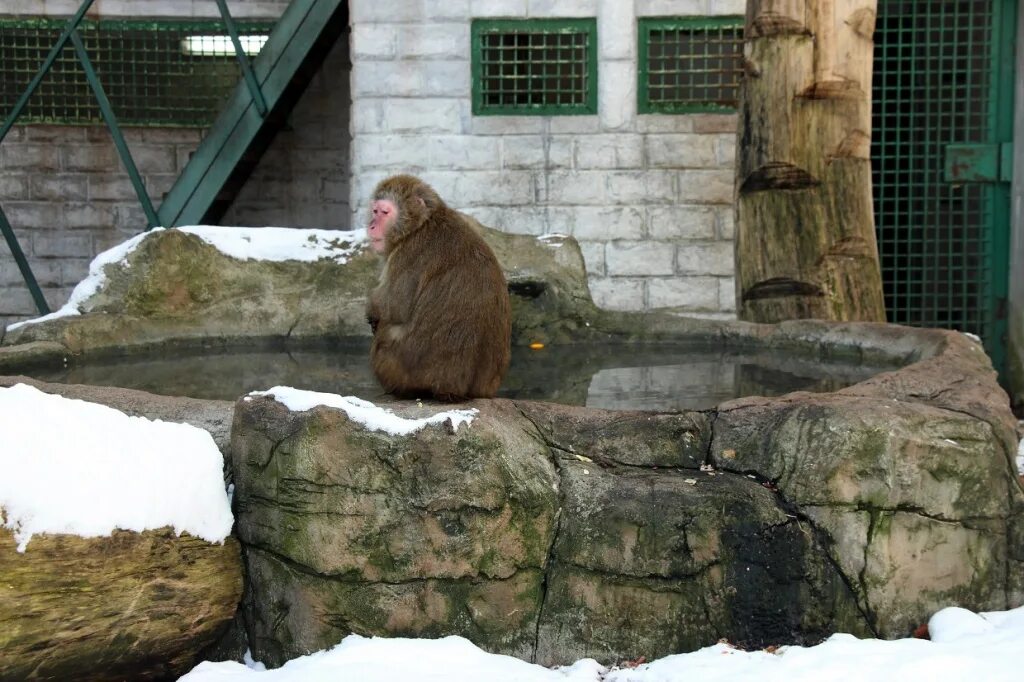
[(364, 412), (1020, 458), (70, 466), (965, 647), (244, 243)]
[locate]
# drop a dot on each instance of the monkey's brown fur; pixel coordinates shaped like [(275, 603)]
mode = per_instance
[(440, 314)]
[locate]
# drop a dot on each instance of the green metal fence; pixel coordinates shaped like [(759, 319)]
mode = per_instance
[(535, 66), (155, 73), (689, 64), (942, 119)]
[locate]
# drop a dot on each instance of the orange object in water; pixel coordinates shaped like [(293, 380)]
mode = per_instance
[(536, 345)]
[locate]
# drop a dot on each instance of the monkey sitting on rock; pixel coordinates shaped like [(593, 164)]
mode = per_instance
[(440, 315)]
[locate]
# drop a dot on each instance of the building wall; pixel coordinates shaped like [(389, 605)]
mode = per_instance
[(1015, 352), (649, 197)]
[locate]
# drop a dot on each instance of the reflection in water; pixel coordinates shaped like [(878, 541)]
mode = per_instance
[(608, 376)]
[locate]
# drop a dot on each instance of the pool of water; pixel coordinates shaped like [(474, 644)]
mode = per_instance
[(607, 376)]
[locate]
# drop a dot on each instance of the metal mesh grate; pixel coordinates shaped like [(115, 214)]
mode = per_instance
[(689, 64), (535, 67), (932, 88), (151, 71)]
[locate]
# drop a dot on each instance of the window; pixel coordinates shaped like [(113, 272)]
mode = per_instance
[(155, 73), (535, 66), (690, 64)]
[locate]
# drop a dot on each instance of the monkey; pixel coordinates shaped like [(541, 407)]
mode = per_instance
[(440, 314)]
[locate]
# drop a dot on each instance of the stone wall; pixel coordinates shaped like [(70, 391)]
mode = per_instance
[(649, 197)]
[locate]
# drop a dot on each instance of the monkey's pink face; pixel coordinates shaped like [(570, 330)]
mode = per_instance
[(384, 214)]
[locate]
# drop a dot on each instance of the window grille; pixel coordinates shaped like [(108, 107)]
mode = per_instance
[(156, 73), (690, 64), (535, 66)]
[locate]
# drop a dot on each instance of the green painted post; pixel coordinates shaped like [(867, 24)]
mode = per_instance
[(115, 132), (26, 271), (243, 60)]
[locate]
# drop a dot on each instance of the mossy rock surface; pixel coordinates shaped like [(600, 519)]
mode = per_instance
[(130, 606)]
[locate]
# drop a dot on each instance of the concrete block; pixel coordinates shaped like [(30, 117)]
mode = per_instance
[(93, 157), (177, 136), (617, 293), (706, 186), (397, 78), (641, 187), (688, 293), (376, 12), (31, 215), (727, 294), (672, 223), (705, 258), (336, 189), (506, 125), (593, 257), (448, 78), (539, 9), (523, 151), (430, 115), (577, 125), (715, 123), (727, 223), (59, 244), (607, 223), (727, 7), (455, 152), (73, 270), (681, 151), (374, 41), (434, 41), (573, 188), (37, 157), (664, 123), (725, 150), (639, 258), (13, 186), (151, 158), (393, 152), (616, 30), (16, 303), (46, 271), (129, 220), (618, 151), (513, 9), (93, 214), (53, 133), (58, 187), (487, 188), (110, 187), (521, 219), (367, 115), (617, 94), (670, 8)]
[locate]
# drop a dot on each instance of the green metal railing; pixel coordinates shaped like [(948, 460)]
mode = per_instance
[(71, 34), (539, 67), (689, 64)]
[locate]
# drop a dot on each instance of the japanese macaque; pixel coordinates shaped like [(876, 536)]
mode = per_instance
[(440, 315)]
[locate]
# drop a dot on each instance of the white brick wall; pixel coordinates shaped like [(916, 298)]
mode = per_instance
[(649, 197)]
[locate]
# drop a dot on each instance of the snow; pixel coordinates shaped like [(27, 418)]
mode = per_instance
[(377, 659), (243, 243), (1020, 458), (75, 467), (964, 646), (364, 412)]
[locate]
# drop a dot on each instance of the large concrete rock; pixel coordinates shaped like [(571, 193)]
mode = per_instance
[(176, 288), (130, 606), (554, 532)]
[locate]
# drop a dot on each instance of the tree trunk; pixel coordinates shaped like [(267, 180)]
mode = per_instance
[(805, 243)]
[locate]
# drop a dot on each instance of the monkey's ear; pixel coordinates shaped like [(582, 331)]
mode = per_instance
[(422, 203)]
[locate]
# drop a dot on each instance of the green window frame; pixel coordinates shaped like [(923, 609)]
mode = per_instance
[(150, 71), (534, 67), (689, 64)]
